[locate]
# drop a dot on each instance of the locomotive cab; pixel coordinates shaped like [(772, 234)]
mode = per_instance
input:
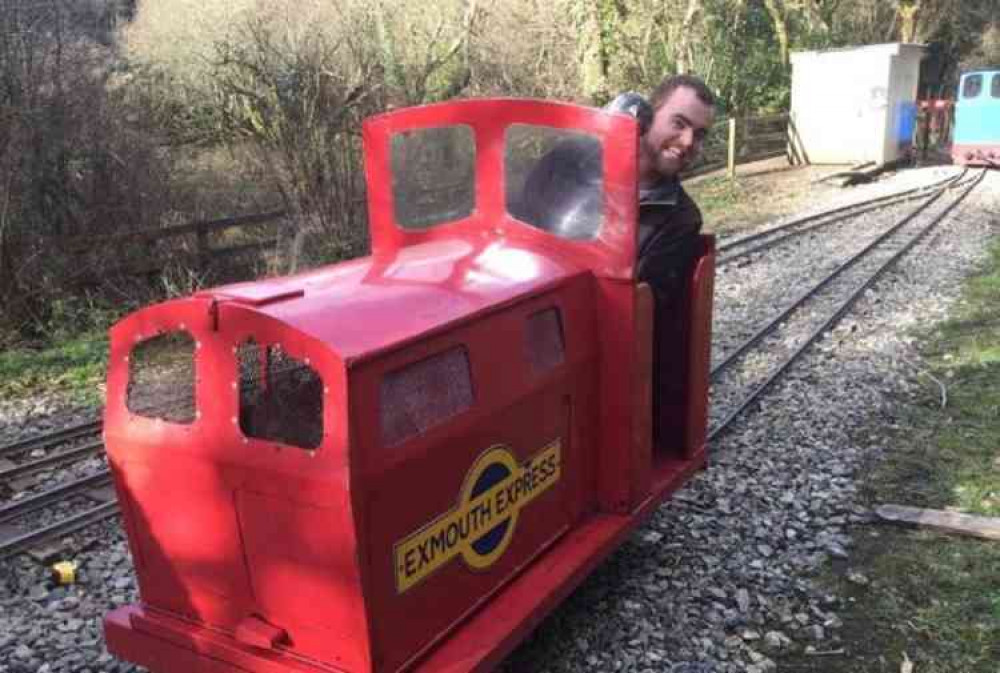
[(976, 139), (404, 462)]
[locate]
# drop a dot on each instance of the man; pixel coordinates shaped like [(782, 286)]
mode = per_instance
[(672, 133), (669, 221)]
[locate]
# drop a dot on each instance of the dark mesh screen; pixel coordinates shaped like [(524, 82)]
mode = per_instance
[(433, 175), (544, 340), (281, 398), (161, 378), (423, 394)]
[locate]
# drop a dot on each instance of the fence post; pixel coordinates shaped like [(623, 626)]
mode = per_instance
[(202, 250), (731, 165)]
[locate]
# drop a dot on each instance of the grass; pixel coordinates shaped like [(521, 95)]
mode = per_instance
[(718, 197), (74, 367), (933, 599), (68, 356)]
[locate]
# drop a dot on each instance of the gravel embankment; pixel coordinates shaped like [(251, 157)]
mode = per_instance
[(719, 579)]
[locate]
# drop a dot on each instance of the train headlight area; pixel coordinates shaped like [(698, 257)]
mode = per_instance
[(404, 462)]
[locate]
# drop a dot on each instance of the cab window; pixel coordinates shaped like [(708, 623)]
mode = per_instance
[(554, 180), (433, 175), (972, 85), (995, 87)]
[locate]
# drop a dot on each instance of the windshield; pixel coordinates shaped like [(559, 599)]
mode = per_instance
[(554, 180), (433, 175)]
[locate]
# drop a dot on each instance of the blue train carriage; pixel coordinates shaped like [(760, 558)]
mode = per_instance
[(977, 119)]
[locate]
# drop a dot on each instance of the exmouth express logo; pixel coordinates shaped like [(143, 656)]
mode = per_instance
[(480, 527)]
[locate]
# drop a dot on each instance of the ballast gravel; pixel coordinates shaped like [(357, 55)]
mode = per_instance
[(719, 579)]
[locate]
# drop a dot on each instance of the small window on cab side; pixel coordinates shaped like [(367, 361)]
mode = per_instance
[(433, 175), (423, 394), (995, 86), (554, 180), (543, 340), (972, 86)]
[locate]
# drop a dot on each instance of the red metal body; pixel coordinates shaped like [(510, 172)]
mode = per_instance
[(396, 543)]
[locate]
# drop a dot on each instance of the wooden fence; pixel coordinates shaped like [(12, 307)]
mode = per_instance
[(730, 143), (143, 245), (734, 141)]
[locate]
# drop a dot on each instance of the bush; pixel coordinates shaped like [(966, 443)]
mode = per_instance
[(72, 167)]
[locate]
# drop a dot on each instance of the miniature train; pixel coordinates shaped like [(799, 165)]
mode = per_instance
[(976, 140), (403, 462)]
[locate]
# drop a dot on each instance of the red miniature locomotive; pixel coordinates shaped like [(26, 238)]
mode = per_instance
[(403, 462)]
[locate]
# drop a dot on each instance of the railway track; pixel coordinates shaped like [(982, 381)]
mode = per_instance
[(816, 333), (52, 439), (106, 509), (732, 250)]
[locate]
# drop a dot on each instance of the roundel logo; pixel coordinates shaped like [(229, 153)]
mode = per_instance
[(481, 525)]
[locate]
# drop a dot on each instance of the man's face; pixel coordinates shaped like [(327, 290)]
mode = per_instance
[(677, 132)]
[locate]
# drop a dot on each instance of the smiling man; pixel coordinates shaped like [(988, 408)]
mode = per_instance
[(669, 221), (561, 194)]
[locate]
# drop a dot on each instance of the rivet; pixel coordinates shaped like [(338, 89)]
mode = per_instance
[(246, 441), (236, 421), (307, 361), (326, 390)]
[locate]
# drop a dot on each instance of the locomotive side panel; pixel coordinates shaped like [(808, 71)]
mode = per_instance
[(458, 505)]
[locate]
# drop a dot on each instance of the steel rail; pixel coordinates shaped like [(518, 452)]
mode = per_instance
[(43, 499), (49, 439), (85, 519), (726, 423), (904, 195), (774, 242), (51, 461), (740, 350)]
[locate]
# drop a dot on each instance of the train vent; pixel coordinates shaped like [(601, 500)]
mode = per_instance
[(161, 381), (544, 340), (281, 397), (422, 394)]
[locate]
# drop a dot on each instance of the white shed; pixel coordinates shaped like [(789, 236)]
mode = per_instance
[(854, 105)]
